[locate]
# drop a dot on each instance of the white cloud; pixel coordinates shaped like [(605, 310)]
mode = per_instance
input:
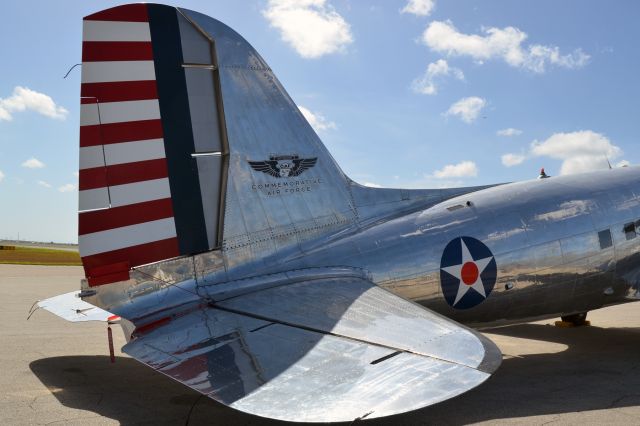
[(24, 99), (33, 163), (44, 184), (462, 169), (69, 187), (372, 185), (467, 109), (317, 121), (623, 163), (426, 84), (580, 151), (76, 174), (1, 176), (506, 44), (509, 132), (312, 27), (419, 7), (510, 160)]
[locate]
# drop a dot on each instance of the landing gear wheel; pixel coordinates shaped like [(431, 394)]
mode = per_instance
[(576, 319)]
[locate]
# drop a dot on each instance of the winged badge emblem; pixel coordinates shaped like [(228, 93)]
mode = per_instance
[(282, 166)]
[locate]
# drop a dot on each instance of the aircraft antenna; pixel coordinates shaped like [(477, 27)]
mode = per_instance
[(70, 69)]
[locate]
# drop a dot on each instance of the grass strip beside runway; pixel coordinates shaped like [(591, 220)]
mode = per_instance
[(39, 256)]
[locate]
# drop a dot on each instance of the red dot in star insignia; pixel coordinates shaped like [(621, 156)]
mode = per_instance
[(469, 273)]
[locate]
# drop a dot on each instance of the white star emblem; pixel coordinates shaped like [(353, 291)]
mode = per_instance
[(468, 273)]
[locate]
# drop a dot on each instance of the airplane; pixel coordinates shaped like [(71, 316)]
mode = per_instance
[(241, 261)]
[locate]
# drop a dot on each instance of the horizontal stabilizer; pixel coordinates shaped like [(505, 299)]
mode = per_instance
[(69, 306), (323, 350)]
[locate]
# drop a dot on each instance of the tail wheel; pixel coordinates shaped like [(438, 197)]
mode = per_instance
[(575, 319)]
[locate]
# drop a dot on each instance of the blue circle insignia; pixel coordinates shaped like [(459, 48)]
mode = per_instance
[(467, 272)]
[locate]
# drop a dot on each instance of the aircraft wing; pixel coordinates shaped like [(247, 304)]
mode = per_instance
[(325, 350)]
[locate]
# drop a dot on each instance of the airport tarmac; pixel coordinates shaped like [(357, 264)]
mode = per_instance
[(54, 372)]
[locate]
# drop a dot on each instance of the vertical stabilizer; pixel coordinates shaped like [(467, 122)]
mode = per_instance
[(189, 143), (283, 186)]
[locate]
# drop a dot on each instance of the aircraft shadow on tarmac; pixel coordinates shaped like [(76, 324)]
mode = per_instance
[(600, 369)]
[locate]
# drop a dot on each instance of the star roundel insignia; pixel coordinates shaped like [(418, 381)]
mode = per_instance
[(467, 272)]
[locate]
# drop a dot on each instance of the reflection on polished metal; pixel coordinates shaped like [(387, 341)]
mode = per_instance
[(250, 268), (319, 350)]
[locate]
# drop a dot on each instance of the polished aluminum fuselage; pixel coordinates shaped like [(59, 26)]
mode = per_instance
[(543, 234)]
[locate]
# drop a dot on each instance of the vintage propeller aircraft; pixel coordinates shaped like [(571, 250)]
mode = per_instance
[(246, 265)]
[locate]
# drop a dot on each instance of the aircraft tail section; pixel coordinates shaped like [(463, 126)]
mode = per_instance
[(189, 143), (199, 180)]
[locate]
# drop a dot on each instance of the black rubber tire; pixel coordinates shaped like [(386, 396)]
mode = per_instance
[(576, 319)]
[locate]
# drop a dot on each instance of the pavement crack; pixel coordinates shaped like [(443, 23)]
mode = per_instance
[(553, 420), (67, 420), (33, 401)]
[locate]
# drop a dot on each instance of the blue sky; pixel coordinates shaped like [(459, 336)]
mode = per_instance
[(404, 93)]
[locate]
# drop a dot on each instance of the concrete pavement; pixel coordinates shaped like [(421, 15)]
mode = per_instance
[(54, 372)]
